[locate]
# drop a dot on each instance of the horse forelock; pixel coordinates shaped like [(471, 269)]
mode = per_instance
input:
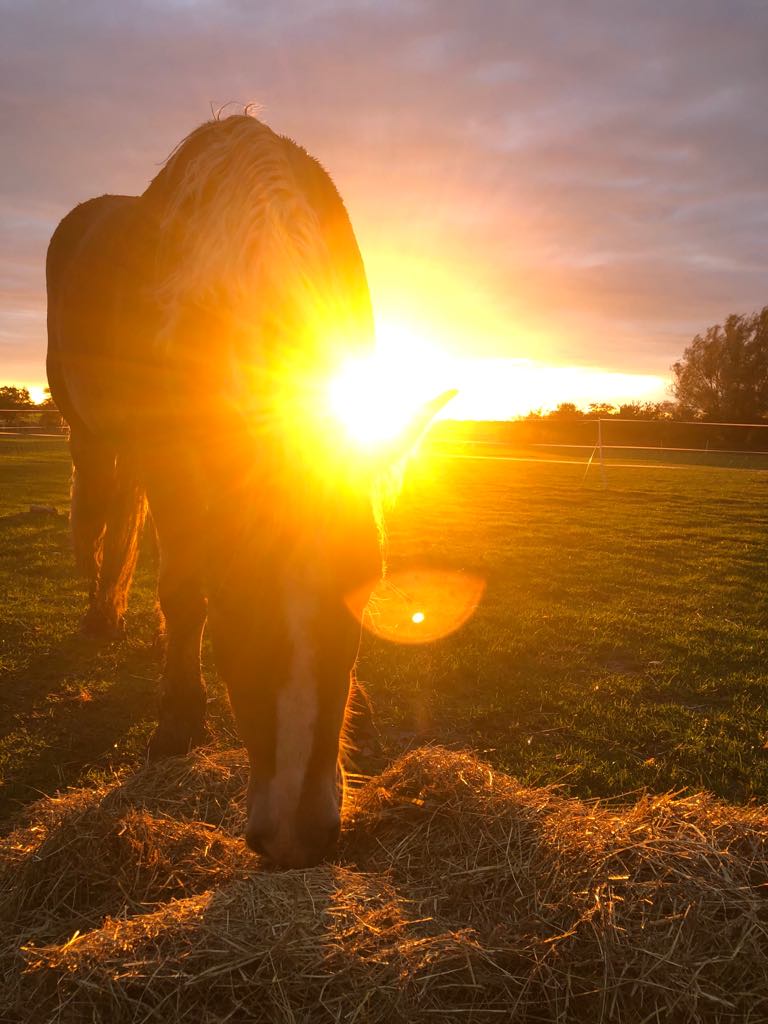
[(238, 235)]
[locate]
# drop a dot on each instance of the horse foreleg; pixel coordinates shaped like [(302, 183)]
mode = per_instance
[(178, 519)]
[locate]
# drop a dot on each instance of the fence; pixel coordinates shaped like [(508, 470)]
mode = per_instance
[(31, 421), (608, 441), (734, 445), (599, 439)]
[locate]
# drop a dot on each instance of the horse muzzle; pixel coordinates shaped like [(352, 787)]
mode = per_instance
[(300, 848)]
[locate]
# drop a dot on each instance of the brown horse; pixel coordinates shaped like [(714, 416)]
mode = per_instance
[(191, 330)]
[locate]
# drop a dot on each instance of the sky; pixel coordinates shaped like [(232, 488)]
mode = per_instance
[(551, 198)]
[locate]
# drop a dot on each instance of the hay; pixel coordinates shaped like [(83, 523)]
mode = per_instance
[(459, 896), (168, 831)]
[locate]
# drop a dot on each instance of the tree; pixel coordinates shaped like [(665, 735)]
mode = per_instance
[(14, 398), (723, 374), (647, 411), (566, 411), (600, 410)]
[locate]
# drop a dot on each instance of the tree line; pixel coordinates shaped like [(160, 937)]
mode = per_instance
[(720, 379), (19, 413), (722, 376), (20, 398), (568, 412)]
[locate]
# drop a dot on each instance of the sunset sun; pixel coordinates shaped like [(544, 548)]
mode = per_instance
[(375, 398)]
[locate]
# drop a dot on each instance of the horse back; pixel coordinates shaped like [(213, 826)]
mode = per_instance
[(96, 269)]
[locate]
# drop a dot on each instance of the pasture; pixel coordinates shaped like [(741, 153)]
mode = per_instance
[(620, 643), (617, 651)]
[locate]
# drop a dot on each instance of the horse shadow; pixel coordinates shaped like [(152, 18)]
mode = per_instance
[(76, 707)]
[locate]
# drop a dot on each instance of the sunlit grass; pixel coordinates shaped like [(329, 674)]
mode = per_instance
[(620, 641)]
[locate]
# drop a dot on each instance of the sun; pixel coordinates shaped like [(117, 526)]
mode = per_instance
[(375, 398), (363, 397)]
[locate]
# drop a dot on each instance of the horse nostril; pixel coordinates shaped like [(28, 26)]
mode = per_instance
[(302, 850)]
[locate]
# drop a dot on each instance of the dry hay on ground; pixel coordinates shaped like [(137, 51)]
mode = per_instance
[(458, 896)]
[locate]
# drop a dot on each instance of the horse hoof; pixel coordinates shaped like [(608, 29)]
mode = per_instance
[(177, 741), (97, 624)]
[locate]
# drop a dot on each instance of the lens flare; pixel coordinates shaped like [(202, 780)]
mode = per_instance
[(420, 605)]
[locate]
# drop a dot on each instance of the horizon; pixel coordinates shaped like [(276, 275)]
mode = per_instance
[(471, 403), (491, 389), (456, 410)]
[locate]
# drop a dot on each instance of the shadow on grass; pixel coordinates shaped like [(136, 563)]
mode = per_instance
[(80, 705)]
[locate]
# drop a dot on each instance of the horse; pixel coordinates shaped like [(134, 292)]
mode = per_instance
[(190, 332)]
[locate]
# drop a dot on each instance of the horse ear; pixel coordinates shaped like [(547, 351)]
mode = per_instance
[(413, 433)]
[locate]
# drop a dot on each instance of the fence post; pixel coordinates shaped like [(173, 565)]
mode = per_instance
[(600, 447)]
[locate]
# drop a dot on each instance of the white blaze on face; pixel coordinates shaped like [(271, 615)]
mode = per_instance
[(278, 808)]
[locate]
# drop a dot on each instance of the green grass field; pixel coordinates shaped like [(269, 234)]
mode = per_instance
[(620, 643)]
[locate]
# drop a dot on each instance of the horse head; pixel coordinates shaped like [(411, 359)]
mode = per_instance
[(289, 581)]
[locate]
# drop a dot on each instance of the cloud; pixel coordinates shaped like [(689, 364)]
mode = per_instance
[(598, 171)]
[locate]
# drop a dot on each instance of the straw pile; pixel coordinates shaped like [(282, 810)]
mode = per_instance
[(458, 895)]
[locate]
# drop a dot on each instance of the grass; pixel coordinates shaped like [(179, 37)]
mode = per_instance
[(620, 643)]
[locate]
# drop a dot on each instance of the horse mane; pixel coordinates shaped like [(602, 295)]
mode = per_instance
[(241, 240)]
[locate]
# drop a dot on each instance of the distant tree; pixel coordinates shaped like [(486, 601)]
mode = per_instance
[(566, 411), (723, 373), (600, 410), (665, 410), (647, 411), (50, 418), (14, 398), (631, 411)]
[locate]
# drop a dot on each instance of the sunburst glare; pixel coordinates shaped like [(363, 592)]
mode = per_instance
[(375, 398)]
